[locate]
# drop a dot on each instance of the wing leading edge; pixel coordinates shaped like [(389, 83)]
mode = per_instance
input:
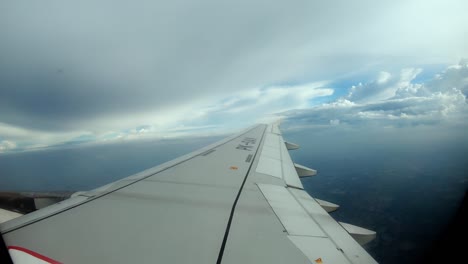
[(237, 201)]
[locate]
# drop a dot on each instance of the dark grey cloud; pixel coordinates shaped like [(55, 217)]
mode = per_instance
[(63, 61)]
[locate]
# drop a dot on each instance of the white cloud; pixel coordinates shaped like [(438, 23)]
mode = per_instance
[(334, 122), (6, 145), (384, 87), (234, 111), (397, 101), (27, 138), (273, 99), (383, 77), (455, 76)]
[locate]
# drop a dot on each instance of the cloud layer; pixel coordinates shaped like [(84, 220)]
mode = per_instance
[(389, 100), (396, 100), (103, 69), (233, 112)]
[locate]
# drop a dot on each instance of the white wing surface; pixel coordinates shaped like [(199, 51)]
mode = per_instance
[(236, 201)]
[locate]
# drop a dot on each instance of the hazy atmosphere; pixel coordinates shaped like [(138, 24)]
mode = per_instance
[(374, 92)]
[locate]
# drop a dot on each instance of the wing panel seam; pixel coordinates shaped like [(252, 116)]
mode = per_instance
[(228, 227), (121, 187)]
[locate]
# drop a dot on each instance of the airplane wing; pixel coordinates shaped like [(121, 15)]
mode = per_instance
[(236, 201)]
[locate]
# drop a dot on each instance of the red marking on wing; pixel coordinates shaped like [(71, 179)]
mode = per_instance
[(35, 254)]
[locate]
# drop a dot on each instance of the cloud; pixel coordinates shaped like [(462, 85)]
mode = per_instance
[(18, 138), (335, 122), (272, 99), (234, 112), (104, 68), (396, 101), (384, 87), (454, 77), (62, 70), (6, 145)]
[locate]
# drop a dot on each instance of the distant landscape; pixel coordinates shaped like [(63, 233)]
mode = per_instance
[(407, 192)]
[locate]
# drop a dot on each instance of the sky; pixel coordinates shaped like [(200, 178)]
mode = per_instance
[(90, 72)]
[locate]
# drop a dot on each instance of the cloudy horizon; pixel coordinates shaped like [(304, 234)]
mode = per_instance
[(75, 73)]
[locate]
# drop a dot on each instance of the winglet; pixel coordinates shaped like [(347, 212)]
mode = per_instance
[(327, 206), (303, 171), (291, 146), (361, 235)]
